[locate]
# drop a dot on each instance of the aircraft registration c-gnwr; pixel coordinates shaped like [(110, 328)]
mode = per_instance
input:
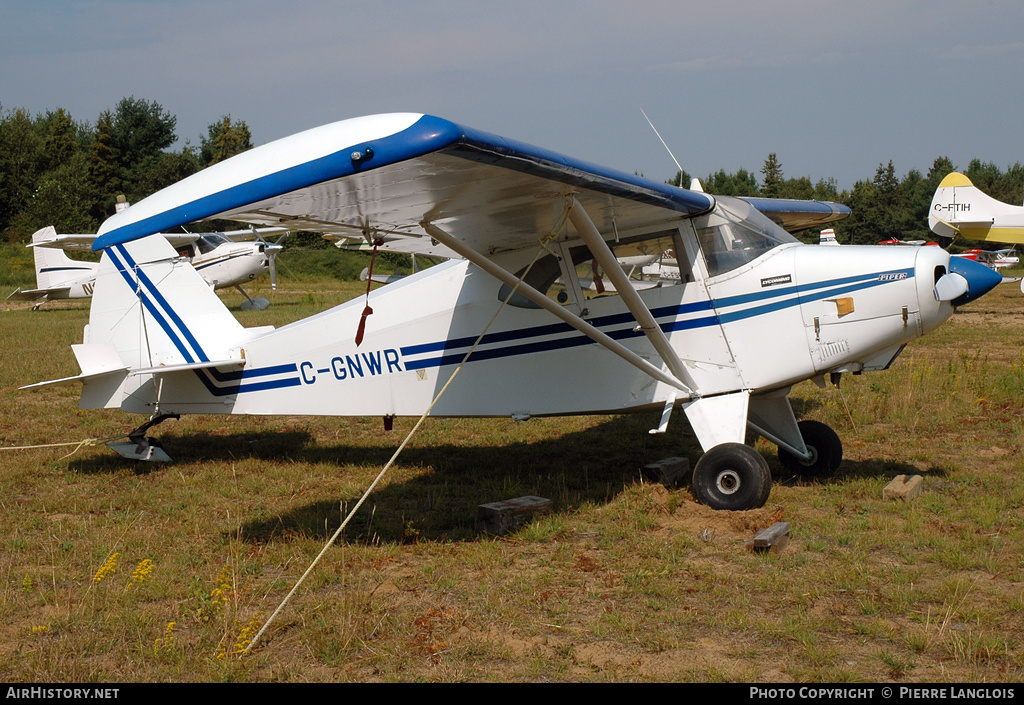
[(752, 312)]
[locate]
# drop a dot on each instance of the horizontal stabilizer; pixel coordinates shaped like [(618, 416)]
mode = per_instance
[(167, 369), (36, 294), (95, 359)]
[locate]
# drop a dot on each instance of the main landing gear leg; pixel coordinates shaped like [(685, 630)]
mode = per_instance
[(808, 448)]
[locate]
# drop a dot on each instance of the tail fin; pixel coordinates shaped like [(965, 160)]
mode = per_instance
[(960, 208), (827, 237), (156, 311), (54, 268)]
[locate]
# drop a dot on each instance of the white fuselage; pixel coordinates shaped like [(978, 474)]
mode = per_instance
[(228, 263), (794, 313)]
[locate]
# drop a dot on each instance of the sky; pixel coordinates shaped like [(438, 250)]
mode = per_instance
[(833, 88)]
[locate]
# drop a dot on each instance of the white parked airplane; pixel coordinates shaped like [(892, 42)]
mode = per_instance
[(223, 259), (755, 311)]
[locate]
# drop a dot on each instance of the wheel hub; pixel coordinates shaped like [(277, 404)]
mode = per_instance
[(728, 482)]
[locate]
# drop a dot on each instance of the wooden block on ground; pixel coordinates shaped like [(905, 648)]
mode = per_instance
[(671, 472), (904, 487), (773, 539), (502, 517)]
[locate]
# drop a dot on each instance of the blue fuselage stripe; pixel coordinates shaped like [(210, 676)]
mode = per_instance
[(701, 314), (250, 387), (774, 300)]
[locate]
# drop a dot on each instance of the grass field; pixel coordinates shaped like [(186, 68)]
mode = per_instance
[(116, 572)]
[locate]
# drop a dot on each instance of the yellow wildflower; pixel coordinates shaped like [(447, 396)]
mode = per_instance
[(109, 568), (164, 644), (246, 634), (140, 574)]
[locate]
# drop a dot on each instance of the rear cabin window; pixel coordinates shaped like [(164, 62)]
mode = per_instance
[(648, 260)]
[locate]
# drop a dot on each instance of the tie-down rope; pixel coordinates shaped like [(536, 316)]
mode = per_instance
[(330, 542), (85, 443)]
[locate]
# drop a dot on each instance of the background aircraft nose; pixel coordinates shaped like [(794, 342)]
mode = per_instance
[(980, 279)]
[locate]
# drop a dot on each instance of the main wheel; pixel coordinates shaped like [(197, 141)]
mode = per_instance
[(732, 476), (825, 447)]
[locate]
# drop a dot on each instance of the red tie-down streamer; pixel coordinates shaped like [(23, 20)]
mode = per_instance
[(369, 280)]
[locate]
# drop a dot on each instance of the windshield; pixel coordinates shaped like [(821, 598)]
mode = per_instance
[(736, 233), (208, 243)]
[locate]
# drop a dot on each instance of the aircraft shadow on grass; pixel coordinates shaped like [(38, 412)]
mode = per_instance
[(588, 467)]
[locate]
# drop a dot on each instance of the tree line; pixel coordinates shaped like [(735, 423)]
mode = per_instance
[(57, 171), (884, 207)]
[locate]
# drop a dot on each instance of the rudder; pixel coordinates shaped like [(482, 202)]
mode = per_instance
[(155, 310), (53, 267)]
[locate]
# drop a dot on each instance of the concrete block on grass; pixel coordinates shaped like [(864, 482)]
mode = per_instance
[(905, 487), (502, 517)]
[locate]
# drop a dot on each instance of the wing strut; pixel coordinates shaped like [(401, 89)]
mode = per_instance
[(606, 258), (546, 303)]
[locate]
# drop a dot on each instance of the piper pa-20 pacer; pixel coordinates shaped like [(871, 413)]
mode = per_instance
[(753, 312)]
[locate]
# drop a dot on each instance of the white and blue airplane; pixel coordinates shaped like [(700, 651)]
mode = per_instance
[(753, 312)]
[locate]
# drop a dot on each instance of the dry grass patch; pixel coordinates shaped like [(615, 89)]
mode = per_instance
[(116, 572)]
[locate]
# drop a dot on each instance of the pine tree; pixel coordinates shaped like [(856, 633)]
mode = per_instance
[(771, 186), (104, 168)]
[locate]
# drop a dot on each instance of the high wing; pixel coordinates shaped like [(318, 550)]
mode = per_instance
[(380, 177), (794, 215)]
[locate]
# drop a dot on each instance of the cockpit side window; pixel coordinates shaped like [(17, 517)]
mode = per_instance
[(209, 243), (736, 233), (648, 260)]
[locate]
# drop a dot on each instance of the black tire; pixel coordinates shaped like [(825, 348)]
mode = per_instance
[(732, 476), (825, 447)]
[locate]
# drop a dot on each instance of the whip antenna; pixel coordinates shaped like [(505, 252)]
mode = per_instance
[(665, 145)]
